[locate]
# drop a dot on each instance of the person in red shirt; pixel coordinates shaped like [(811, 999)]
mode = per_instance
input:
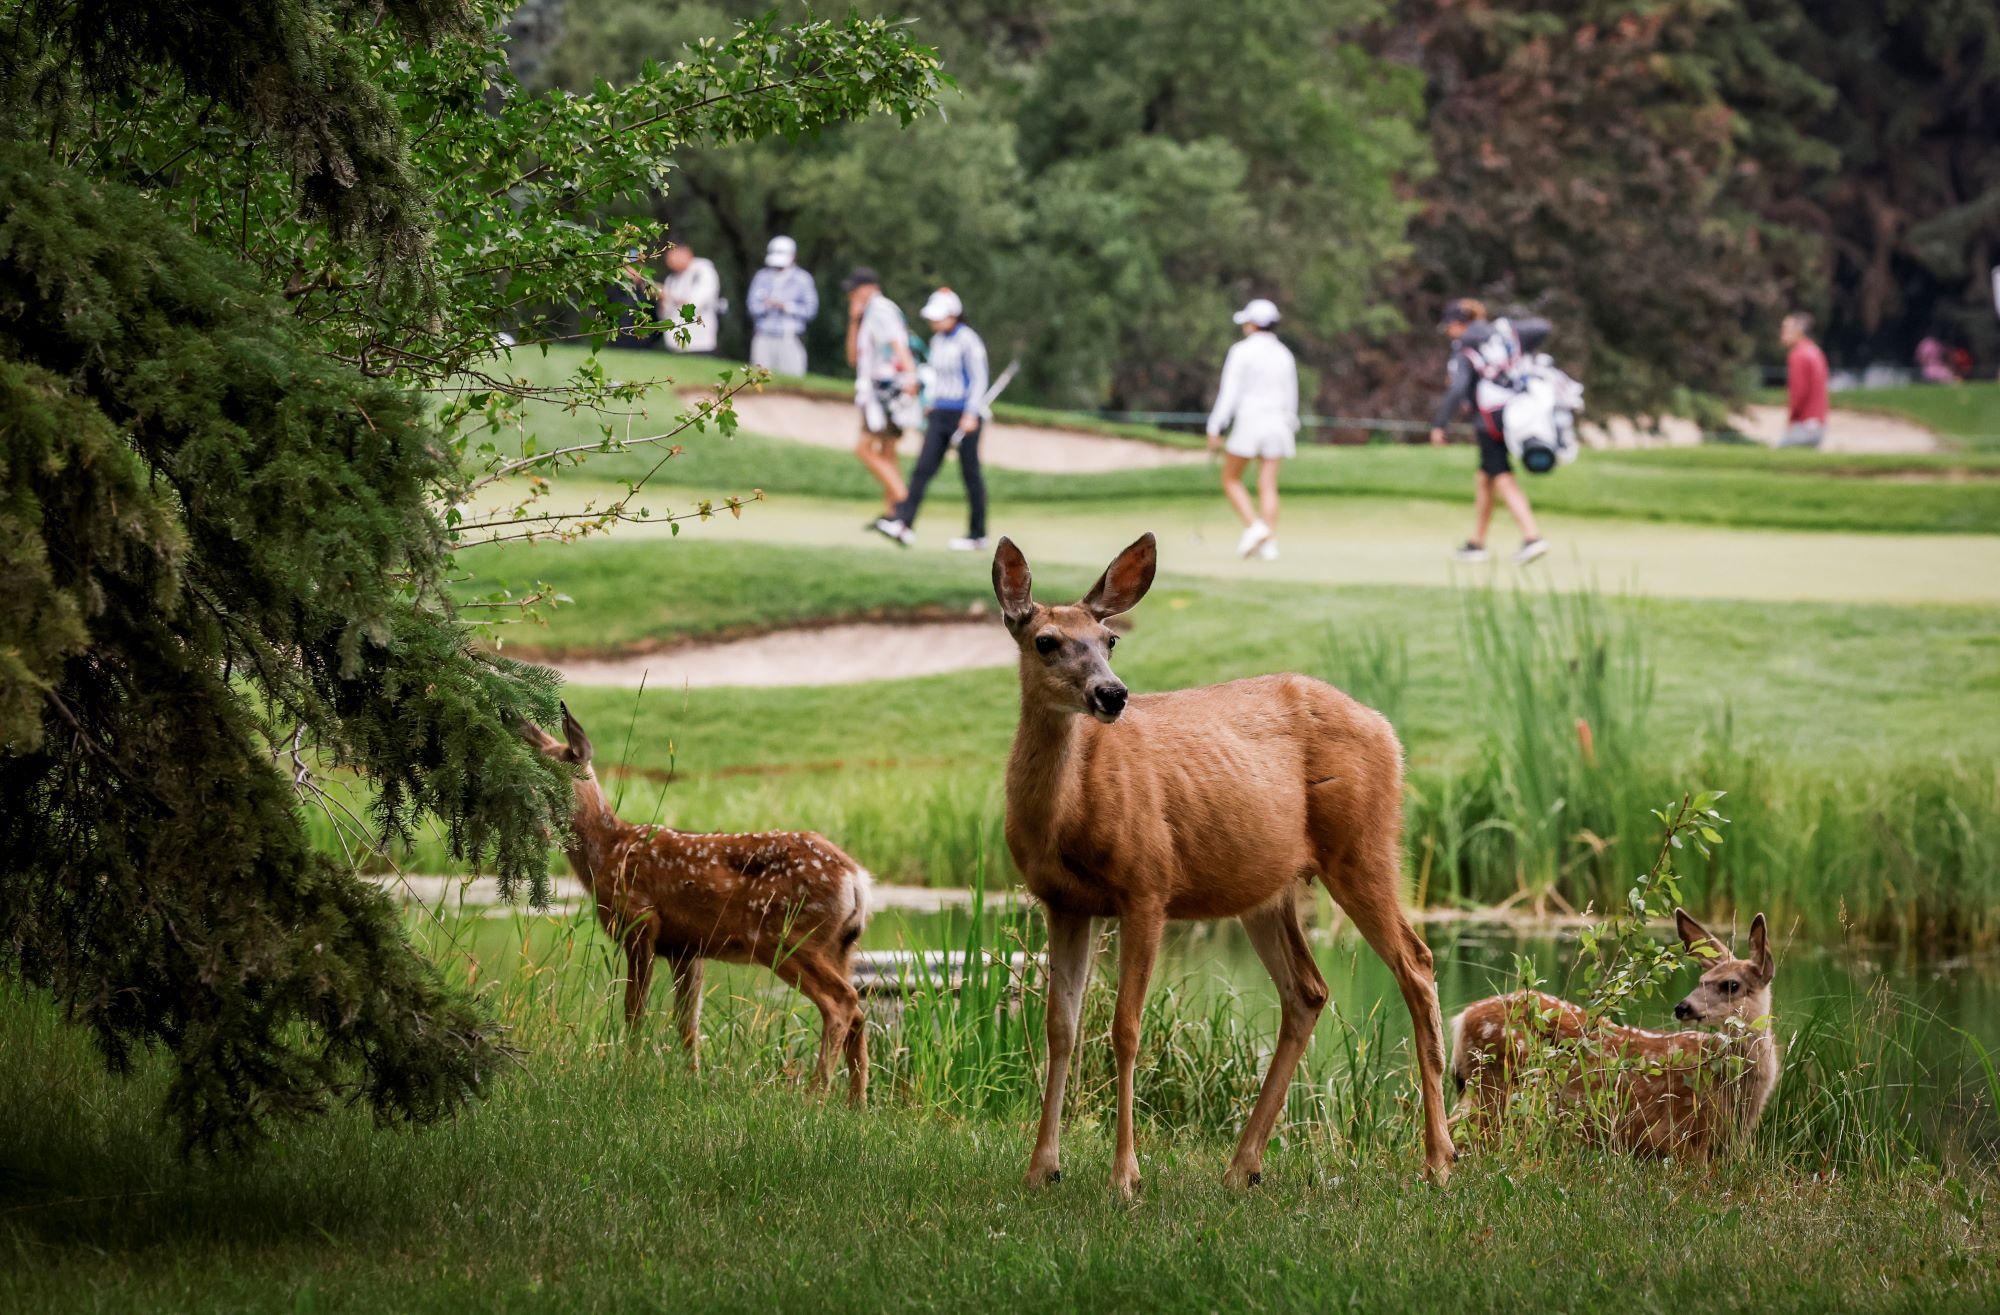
[(1805, 383)]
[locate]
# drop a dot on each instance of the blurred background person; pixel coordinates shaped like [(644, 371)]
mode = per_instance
[(1805, 383), (783, 300), (960, 377), (691, 281), (1465, 324), (885, 389), (1258, 403)]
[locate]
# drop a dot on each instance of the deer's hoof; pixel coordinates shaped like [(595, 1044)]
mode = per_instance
[(1039, 1177), (1240, 1179)]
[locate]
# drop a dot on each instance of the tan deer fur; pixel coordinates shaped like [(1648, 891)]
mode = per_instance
[(790, 900), (1692, 1094), (1202, 803)]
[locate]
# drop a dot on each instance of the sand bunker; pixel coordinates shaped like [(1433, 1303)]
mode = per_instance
[(832, 422), (1859, 433), (820, 655)]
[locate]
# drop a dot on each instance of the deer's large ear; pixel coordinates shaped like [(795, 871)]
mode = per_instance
[(1125, 581), (1760, 949), (579, 743), (1013, 585), (1697, 938)]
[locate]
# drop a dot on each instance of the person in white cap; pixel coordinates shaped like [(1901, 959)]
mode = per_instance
[(1258, 403), (783, 300), (959, 382)]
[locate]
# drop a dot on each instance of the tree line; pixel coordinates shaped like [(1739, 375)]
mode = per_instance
[(1663, 178)]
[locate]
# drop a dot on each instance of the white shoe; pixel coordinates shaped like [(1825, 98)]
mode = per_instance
[(968, 545), (894, 530), (1470, 553), (1268, 550), (1530, 550), (1253, 538)]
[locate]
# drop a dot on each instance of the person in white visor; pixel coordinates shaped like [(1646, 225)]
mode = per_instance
[(1258, 403), (783, 300)]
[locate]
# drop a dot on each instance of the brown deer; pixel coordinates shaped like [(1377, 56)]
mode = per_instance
[(1690, 1094), (790, 900), (1218, 802)]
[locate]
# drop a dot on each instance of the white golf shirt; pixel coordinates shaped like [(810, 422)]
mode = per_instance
[(1258, 400)]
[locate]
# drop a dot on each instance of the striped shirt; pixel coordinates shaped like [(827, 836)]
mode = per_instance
[(796, 299), (959, 372)]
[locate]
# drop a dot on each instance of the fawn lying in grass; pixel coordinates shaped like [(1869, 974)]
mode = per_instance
[(790, 900), (1691, 1094)]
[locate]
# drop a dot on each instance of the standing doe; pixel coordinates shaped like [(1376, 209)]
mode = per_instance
[(1693, 1094), (1204, 803), (790, 900)]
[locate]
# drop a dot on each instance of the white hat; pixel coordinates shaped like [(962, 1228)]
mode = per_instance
[(1260, 312), (782, 252), (943, 305)]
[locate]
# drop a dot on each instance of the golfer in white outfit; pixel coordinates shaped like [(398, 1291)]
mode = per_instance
[(1258, 403)]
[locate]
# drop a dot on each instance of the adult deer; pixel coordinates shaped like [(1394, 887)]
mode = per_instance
[(790, 900), (1690, 1094), (1203, 803)]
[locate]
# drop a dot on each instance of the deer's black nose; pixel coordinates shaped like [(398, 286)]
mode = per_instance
[(1108, 700), (1684, 1011)]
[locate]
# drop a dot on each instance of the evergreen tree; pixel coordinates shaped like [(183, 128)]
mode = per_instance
[(230, 272)]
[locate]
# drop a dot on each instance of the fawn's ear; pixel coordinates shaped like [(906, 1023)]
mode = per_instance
[(1125, 581), (579, 743), (1697, 938), (1013, 585), (1760, 949)]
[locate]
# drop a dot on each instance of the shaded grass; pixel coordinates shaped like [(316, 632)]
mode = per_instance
[(598, 1178), (1721, 486)]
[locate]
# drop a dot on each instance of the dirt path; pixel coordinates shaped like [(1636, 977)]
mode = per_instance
[(831, 422), (820, 655)]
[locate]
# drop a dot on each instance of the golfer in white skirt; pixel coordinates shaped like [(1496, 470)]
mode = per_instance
[(1258, 403)]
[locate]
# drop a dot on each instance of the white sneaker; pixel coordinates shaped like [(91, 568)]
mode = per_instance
[(1268, 550), (968, 545), (894, 530), (1470, 553), (1253, 538), (1530, 550)]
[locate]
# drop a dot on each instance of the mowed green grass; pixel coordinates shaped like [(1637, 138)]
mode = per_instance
[(1812, 682), (593, 1179), (1719, 486)]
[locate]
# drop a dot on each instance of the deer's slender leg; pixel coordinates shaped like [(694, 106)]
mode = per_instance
[(639, 953), (1069, 973), (1366, 886), (1138, 945), (687, 1002), (1281, 944), (857, 1055), (839, 1006)]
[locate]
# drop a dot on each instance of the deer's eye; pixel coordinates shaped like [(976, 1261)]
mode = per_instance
[(1047, 644), (1728, 987), (1110, 642)]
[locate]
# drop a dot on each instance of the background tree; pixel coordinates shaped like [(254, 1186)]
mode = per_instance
[(252, 264)]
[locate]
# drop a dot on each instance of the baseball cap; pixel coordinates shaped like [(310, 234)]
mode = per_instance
[(782, 252), (859, 276), (1260, 312), (943, 305)]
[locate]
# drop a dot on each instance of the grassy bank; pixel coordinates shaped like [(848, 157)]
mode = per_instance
[(600, 1179), (1732, 486)]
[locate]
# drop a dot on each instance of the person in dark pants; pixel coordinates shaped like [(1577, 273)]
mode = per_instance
[(1466, 325), (959, 381)]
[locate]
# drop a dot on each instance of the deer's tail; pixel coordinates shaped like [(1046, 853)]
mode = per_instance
[(860, 889), (1461, 1058)]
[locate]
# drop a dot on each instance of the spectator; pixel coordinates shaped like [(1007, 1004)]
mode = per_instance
[(885, 389), (959, 382), (1258, 402), (1466, 374), (783, 300), (691, 281), (1805, 383)]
